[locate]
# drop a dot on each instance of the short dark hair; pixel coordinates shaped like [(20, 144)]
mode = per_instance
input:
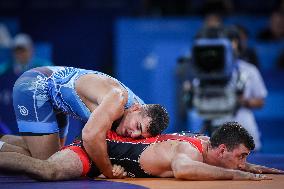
[(159, 118), (232, 134)]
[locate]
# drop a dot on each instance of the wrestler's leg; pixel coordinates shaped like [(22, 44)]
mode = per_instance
[(14, 140), (14, 144), (13, 148), (35, 115), (63, 165), (42, 147), (67, 163), (63, 125)]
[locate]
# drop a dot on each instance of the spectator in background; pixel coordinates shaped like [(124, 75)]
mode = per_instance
[(5, 37), (213, 20), (276, 28), (22, 59), (253, 94), (23, 56), (246, 53)]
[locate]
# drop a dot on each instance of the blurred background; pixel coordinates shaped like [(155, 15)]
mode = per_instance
[(141, 42)]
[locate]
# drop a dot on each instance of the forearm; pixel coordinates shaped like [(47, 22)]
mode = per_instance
[(94, 132), (253, 168), (194, 170), (249, 167), (201, 171), (94, 141), (97, 150), (253, 103)]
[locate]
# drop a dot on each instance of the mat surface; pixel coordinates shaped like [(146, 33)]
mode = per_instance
[(157, 183), (12, 181), (9, 181)]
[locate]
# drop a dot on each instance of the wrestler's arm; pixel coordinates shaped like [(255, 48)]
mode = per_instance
[(94, 132), (252, 102), (184, 167), (261, 169)]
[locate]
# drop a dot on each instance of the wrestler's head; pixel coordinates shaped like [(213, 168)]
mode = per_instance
[(230, 145), (141, 121)]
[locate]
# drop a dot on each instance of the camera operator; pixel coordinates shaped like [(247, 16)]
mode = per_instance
[(251, 90), (253, 94)]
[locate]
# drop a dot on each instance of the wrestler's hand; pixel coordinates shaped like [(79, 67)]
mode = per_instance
[(241, 175), (262, 169), (118, 171)]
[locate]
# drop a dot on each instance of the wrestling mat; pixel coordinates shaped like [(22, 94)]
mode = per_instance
[(11, 181), (17, 181)]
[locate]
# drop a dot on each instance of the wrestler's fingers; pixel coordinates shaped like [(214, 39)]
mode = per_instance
[(265, 177), (121, 174), (118, 170), (261, 177), (274, 171), (115, 170), (124, 174), (114, 167)]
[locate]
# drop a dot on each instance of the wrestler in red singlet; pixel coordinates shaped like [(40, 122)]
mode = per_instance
[(127, 151)]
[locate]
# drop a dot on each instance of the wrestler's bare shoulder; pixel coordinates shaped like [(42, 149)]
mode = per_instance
[(166, 150), (93, 87), (97, 80), (156, 158), (188, 149)]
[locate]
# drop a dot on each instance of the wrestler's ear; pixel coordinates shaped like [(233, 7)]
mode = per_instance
[(221, 149)]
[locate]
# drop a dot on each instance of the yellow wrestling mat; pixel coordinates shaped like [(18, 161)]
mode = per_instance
[(168, 183)]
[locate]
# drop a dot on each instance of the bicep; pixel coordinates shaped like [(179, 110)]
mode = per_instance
[(179, 160), (110, 109), (184, 157), (184, 167), (113, 104)]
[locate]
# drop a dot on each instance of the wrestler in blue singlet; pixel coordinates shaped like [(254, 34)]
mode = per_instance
[(43, 93)]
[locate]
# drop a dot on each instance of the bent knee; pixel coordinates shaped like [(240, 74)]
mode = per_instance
[(49, 172), (55, 172)]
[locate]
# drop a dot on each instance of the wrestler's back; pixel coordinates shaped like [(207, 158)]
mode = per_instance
[(78, 92), (93, 87), (156, 158)]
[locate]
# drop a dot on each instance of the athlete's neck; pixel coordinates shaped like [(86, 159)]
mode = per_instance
[(205, 148)]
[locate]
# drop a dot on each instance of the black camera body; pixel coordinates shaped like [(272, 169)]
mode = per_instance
[(215, 78)]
